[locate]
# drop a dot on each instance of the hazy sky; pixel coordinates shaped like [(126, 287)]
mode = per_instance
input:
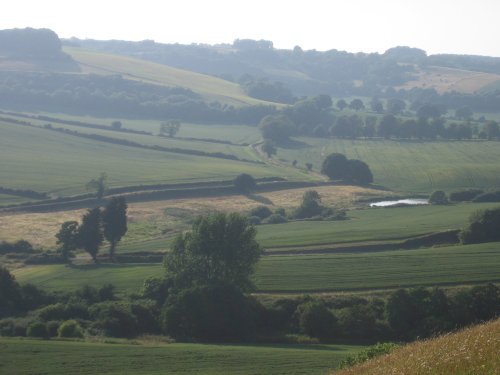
[(438, 26)]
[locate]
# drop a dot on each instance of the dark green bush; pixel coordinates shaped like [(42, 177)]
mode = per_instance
[(438, 197), (114, 319), (316, 320), (70, 328), (261, 212), (37, 329), (368, 353), (254, 220), (52, 327), (210, 313), (276, 219)]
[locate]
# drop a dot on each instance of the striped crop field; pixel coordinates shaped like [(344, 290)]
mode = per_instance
[(451, 265), (23, 357)]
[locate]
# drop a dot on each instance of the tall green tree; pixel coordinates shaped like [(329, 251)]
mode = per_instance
[(68, 237), (99, 185), (114, 222), (220, 249), (90, 232)]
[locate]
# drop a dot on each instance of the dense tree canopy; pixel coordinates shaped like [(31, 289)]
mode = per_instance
[(337, 167), (114, 222), (220, 248)]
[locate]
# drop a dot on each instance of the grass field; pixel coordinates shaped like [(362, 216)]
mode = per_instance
[(411, 166), (48, 161), (305, 273), (211, 88), (370, 225), (22, 357), (232, 133)]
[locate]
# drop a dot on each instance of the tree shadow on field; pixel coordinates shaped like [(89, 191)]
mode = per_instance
[(260, 199), (94, 266)]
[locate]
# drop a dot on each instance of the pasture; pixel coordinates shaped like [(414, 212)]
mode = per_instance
[(411, 166), (23, 356), (61, 164), (447, 265)]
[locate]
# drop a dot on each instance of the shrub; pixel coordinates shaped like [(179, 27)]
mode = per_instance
[(61, 311), (211, 313), (52, 328), (70, 328), (280, 211), (244, 183), (276, 219), (438, 197), (114, 319), (316, 320), (368, 353), (261, 212), (483, 227), (37, 329), (254, 220)]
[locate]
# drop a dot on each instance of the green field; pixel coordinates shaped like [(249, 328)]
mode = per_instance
[(211, 88), (411, 166), (22, 357), (48, 161), (305, 273), (232, 133), (374, 224), (364, 225)]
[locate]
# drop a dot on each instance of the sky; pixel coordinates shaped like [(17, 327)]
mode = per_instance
[(437, 26)]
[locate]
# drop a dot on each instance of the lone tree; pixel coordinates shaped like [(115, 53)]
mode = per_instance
[(68, 238), (310, 206), (90, 232), (438, 197), (170, 127), (277, 128), (244, 183), (114, 222), (220, 249), (269, 148), (341, 104), (99, 185), (337, 167)]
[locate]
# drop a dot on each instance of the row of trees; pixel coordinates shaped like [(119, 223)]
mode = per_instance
[(110, 223)]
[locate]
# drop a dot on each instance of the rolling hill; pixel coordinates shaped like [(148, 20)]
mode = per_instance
[(211, 88)]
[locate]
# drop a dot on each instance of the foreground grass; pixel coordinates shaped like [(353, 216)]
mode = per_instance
[(452, 265), (66, 357), (472, 351)]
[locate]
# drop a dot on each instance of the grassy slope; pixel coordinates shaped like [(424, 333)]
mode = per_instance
[(303, 273), (66, 357), (472, 351), (211, 88), (412, 166), (448, 79), (42, 160)]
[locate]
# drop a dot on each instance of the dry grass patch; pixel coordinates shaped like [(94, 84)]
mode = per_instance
[(155, 219), (472, 351)]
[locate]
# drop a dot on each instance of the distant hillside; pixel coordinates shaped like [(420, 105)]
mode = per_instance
[(211, 88), (470, 351), (312, 72), (37, 74), (33, 49)]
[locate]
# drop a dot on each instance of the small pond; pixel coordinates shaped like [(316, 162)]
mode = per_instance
[(409, 202)]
